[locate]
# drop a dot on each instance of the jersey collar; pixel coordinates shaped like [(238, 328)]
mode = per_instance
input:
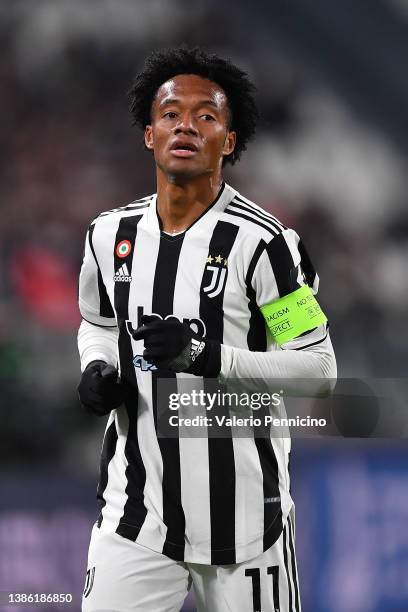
[(224, 197)]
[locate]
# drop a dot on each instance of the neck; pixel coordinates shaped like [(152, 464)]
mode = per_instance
[(180, 203)]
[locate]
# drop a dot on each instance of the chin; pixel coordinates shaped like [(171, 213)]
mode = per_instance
[(182, 171)]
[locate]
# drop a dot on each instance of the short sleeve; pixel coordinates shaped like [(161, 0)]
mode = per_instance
[(93, 299), (284, 267)]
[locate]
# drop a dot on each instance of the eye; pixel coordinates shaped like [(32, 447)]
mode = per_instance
[(170, 115), (208, 117)]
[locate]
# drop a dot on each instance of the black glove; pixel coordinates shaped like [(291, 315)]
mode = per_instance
[(172, 345), (99, 390)]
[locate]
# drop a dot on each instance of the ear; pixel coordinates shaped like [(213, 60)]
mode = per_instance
[(148, 137), (229, 144)]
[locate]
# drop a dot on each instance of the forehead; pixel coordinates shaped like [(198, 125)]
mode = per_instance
[(190, 88)]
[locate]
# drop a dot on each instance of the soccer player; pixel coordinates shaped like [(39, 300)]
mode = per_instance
[(193, 282)]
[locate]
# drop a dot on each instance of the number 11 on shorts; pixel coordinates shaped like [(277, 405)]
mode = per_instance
[(255, 574)]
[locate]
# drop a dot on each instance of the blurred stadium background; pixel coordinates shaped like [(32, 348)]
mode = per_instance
[(330, 159)]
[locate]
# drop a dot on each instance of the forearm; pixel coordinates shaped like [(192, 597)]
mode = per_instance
[(314, 362), (97, 343)]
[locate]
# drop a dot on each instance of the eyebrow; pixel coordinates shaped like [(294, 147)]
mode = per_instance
[(168, 101)]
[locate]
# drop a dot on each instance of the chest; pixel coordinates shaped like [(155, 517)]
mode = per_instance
[(195, 276)]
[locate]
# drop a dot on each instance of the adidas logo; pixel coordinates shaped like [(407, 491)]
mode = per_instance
[(196, 348), (122, 275)]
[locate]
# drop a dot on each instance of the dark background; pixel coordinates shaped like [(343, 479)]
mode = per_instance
[(330, 160)]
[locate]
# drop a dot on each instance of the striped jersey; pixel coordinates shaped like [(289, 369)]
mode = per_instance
[(205, 500)]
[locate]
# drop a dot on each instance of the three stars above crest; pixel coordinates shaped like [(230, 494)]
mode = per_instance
[(218, 259)]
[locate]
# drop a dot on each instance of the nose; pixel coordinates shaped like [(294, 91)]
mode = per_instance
[(185, 125)]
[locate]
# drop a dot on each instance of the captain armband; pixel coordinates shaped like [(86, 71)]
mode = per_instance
[(293, 314)]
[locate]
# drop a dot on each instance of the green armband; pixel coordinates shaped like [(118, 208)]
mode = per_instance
[(293, 315)]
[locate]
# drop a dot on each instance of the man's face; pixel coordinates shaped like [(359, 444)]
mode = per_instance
[(189, 130)]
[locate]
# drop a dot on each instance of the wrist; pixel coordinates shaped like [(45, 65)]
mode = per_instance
[(94, 363), (208, 361)]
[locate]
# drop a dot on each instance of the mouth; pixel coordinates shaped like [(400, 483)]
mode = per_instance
[(183, 149)]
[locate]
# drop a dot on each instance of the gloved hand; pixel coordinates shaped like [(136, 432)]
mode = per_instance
[(172, 345), (99, 389)]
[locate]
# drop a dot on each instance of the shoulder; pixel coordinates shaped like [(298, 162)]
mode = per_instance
[(253, 220), (135, 207)]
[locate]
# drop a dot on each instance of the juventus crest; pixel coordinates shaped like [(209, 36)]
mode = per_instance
[(217, 268)]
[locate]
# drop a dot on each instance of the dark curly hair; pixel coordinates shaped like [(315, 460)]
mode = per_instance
[(160, 66)]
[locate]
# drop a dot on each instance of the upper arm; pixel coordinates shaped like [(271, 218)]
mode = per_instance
[(93, 299), (285, 283)]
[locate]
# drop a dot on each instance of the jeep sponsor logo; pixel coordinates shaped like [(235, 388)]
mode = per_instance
[(197, 325)]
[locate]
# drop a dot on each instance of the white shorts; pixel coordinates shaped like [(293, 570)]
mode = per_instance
[(123, 576)]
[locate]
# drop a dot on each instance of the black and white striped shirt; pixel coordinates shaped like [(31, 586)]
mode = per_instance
[(203, 500)]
